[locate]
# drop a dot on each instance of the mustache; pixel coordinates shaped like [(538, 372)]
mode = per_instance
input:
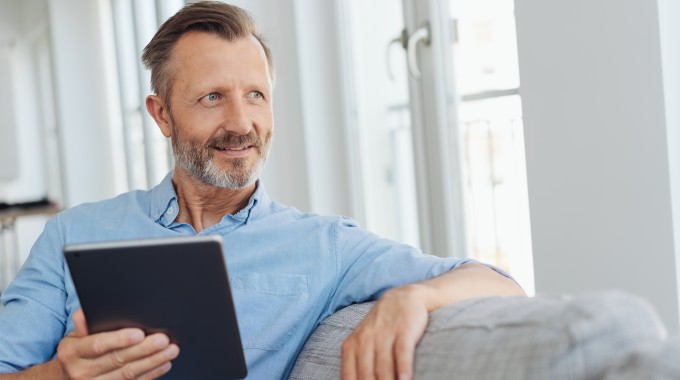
[(231, 139)]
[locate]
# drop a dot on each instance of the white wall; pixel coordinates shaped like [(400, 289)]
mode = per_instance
[(322, 103), (10, 29), (25, 25), (8, 141), (20, 100), (669, 20), (597, 144), (66, 35), (83, 100)]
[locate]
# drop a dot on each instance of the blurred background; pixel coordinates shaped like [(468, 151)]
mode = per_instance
[(540, 137)]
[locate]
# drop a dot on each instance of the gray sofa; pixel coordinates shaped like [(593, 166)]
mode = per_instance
[(604, 336)]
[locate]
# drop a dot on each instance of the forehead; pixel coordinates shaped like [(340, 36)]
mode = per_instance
[(205, 55)]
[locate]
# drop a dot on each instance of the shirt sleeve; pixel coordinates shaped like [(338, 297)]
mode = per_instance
[(369, 265), (34, 318)]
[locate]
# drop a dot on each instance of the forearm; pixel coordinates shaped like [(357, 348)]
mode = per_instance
[(49, 370), (467, 281)]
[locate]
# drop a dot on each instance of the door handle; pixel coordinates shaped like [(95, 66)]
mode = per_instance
[(421, 34), (402, 40)]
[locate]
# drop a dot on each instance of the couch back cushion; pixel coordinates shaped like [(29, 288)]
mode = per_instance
[(544, 337)]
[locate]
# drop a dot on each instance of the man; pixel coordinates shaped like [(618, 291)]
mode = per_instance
[(212, 74)]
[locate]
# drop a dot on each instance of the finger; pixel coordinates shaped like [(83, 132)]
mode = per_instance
[(157, 372), (148, 367), (97, 345), (165, 367), (119, 358), (384, 359), (80, 323), (404, 353), (365, 360), (349, 363)]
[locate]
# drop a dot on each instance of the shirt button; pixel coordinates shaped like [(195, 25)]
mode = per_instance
[(170, 211)]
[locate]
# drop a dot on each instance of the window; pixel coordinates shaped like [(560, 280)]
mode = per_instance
[(466, 101), (382, 119), (490, 129)]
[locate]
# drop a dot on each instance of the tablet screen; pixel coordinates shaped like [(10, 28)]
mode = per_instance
[(178, 286)]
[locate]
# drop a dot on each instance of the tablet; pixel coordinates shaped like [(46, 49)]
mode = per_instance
[(178, 286)]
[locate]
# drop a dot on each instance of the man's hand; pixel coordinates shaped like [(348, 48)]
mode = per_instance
[(383, 345), (121, 354)]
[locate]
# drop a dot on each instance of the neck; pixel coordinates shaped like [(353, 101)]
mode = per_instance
[(202, 205)]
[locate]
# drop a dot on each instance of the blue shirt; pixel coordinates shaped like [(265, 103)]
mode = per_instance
[(288, 270)]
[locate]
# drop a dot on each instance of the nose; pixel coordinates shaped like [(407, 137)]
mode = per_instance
[(236, 119)]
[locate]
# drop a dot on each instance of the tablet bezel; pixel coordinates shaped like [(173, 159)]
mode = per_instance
[(178, 286)]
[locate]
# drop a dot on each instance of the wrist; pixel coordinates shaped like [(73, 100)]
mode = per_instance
[(57, 370), (420, 293)]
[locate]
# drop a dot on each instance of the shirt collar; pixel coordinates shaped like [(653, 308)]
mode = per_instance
[(162, 196), (164, 207)]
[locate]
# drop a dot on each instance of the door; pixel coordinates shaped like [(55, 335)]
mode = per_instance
[(437, 122)]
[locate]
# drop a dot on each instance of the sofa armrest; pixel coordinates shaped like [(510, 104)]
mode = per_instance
[(544, 337)]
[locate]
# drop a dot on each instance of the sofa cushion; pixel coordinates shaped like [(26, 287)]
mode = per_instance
[(651, 362), (543, 337)]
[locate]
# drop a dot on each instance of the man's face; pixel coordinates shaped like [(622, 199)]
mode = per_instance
[(221, 109)]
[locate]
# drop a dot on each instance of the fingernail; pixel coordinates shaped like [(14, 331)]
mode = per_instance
[(172, 351), (160, 341), (136, 335), (166, 367), (404, 376)]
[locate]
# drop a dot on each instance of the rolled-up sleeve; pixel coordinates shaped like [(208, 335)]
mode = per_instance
[(368, 265)]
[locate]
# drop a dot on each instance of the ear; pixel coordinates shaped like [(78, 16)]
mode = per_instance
[(159, 112)]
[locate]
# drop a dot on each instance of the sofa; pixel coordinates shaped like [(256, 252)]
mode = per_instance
[(605, 336)]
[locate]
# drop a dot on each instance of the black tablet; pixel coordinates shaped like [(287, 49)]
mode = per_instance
[(178, 286)]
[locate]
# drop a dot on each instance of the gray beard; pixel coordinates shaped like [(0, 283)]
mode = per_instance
[(210, 174), (200, 163)]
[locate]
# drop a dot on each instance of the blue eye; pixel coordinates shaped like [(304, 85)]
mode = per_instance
[(212, 97), (255, 95)]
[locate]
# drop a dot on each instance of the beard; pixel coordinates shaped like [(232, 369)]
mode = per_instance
[(198, 159)]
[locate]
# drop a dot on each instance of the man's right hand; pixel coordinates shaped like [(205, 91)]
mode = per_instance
[(121, 354)]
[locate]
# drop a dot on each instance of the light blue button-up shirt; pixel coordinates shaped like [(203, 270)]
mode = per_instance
[(288, 270)]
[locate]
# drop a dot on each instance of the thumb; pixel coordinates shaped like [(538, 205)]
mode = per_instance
[(81, 324)]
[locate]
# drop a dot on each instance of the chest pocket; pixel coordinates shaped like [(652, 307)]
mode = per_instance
[(269, 308)]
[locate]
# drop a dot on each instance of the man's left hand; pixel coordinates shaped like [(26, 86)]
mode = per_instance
[(383, 345)]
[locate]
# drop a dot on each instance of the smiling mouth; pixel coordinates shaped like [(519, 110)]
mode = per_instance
[(234, 149)]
